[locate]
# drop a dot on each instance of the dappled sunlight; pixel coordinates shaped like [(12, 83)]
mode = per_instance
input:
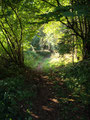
[(57, 60), (66, 100), (54, 60), (54, 100), (34, 115), (47, 108), (45, 77), (44, 59)]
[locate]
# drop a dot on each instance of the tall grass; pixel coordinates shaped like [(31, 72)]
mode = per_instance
[(56, 60), (32, 59)]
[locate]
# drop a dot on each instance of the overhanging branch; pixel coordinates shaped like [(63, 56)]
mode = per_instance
[(49, 3), (58, 2)]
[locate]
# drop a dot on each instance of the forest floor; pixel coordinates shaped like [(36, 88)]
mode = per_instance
[(46, 105), (39, 68), (54, 101), (44, 92)]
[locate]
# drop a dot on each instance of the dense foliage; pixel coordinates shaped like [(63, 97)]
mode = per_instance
[(38, 37)]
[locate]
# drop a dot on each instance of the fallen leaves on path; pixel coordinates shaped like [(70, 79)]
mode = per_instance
[(53, 100)]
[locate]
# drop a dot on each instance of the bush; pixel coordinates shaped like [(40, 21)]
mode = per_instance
[(15, 99), (32, 59), (77, 80)]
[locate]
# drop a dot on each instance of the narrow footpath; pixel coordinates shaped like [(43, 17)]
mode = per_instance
[(53, 100)]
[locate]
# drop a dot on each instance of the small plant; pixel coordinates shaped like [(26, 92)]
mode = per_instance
[(32, 59), (15, 99)]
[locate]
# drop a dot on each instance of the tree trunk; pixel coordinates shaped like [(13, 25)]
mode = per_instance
[(86, 47)]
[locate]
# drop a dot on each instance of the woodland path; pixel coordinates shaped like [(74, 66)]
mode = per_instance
[(48, 105), (39, 68)]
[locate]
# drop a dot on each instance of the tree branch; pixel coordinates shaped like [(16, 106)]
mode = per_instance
[(49, 3), (10, 26), (6, 50), (58, 2), (8, 34), (71, 27), (18, 20)]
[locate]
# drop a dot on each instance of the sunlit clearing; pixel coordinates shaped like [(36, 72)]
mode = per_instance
[(58, 60), (55, 60)]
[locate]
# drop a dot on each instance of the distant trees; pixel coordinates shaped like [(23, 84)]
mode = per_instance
[(75, 14), (45, 40), (16, 18)]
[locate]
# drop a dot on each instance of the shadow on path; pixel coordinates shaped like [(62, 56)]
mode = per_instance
[(46, 105), (54, 101)]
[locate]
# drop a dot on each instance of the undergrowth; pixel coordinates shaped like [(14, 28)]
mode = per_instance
[(32, 59), (76, 78), (75, 94), (55, 60), (15, 99), (16, 95)]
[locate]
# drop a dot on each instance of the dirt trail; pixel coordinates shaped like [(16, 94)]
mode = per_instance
[(46, 106), (39, 68)]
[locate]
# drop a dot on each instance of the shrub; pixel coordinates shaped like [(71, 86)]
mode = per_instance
[(32, 59), (15, 99), (77, 80)]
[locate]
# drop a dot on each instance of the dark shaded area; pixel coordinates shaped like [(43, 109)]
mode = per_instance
[(61, 94), (55, 100)]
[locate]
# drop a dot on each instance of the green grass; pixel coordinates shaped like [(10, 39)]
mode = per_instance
[(50, 61), (32, 59), (55, 61), (76, 77)]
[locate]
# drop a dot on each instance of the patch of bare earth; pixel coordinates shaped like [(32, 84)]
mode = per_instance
[(46, 105)]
